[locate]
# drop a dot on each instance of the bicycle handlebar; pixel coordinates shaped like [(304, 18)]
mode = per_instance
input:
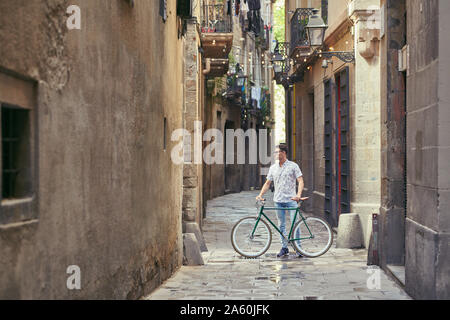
[(263, 201)]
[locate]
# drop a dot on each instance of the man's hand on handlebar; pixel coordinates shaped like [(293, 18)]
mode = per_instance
[(260, 198), (298, 199)]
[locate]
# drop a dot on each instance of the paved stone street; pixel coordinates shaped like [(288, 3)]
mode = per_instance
[(339, 274)]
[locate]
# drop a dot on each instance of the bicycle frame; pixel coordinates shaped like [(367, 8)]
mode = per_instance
[(297, 211)]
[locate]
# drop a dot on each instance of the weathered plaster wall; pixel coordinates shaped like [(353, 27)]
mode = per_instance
[(109, 195)]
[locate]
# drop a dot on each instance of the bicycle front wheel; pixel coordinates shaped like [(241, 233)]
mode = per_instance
[(249, 241), (315, 237)]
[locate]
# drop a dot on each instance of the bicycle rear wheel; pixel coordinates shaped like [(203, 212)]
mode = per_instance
[(316, 237), (248, 245)]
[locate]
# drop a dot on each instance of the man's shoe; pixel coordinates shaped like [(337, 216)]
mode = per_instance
[(283, 252), (299, 255)]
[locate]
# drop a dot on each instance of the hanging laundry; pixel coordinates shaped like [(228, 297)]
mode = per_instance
[(258, 96), (254, 16), (237, 7), (254, 4)]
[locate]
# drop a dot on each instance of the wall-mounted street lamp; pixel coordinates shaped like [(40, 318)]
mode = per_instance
[(316, 28), (278, 62), (240, 80)]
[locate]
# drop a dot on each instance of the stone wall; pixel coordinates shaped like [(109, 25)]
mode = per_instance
[(393, 138), (428, 135), (192, 117), (109, 197)]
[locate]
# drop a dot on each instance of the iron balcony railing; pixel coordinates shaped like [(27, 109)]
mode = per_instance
[(216, 18), (299, 35)]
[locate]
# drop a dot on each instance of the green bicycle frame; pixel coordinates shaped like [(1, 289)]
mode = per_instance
[(297, 211)]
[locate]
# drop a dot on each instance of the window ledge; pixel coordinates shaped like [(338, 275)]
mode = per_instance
[(13, 202), (18, 210), (18, 225)]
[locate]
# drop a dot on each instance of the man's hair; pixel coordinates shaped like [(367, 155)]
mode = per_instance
[(282, 147)]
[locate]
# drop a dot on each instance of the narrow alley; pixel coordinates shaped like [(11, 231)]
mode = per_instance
[(135, 134), (339, 274)]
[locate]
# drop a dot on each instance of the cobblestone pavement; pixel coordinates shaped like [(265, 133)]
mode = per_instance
[(339, 274)]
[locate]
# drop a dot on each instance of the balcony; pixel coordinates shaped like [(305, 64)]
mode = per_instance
[(219, 67), (299, 45), (216, 31)]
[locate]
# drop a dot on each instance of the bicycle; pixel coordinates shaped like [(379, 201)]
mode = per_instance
[(251, 237)]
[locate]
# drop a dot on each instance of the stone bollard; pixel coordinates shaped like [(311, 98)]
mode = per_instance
[(192, 227), (350, 235), (191, 250)]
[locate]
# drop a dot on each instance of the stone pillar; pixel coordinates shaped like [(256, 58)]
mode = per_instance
[(365, 149), (192, 171), (191, 115)]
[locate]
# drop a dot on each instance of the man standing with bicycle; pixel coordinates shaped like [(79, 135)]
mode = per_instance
[(284, 175)]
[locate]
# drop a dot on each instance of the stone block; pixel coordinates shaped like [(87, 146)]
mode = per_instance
[(189, 170), (444, 211), (443, 267), (350, 234), (189, 182), (192, 255), (190, 197), (422, 205), (192, 227), (366, 225), (420, 267), (444, 165), (189, 214), (191, 85)]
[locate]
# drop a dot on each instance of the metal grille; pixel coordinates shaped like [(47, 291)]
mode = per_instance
[(13, 121), (328, 127), (343, 142), (299, 36)]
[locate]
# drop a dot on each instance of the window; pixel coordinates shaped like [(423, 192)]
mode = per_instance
[(16, 182), (184, 9), (18, 146), (165, 135)]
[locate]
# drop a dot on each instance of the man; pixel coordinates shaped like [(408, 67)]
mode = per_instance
[(284, 174)]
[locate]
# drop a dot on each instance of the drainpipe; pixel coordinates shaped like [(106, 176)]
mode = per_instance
[(208, 66)]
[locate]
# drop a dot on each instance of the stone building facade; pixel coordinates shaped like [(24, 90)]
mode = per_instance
[(414, 216), (93, 109), (397, 134), (332, 114)]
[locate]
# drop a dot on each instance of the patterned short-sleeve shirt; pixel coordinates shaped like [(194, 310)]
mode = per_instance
[(284, 179)]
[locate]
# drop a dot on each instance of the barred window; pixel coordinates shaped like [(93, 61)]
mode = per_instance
[(16, 182), (18, 149), (325, 11)]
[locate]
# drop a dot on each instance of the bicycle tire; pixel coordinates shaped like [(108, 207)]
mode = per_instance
[(311, 243), (251, 221)]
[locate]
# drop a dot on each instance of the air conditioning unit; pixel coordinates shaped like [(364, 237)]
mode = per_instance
[(184, 9)]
